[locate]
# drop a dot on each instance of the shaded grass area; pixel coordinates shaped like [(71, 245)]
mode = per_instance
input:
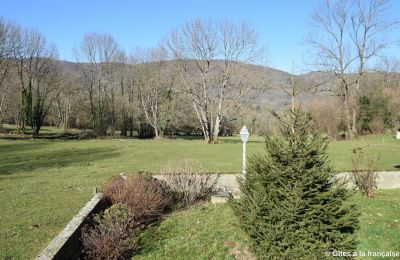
[(9, 132), (43, 183), (56, 158), (211, 232)]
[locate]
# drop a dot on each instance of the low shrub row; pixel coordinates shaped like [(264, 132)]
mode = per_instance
[(188, 183), (139, 200)]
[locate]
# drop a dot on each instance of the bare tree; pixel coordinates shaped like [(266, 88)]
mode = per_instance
[(38, 74), (348, 35), (66, 101), (154, 82), (210, 60), (389, 72), (98, 58), (389, 69), (125, 98), (5, 55), (368, 25)]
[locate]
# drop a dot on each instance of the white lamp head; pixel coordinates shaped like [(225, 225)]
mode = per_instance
[(244, 134)]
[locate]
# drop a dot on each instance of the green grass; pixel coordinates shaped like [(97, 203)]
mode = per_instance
[(43, 183), (380, 221), (202, 232), (210, 232), (384, 146)]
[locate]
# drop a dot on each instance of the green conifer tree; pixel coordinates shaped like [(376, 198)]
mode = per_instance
[(291, 205), (364, 114)]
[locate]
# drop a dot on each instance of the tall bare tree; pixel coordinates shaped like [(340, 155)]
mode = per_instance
[(98, 56), (389, 69), (5, 55), (389, 77), (154, 84), (66, 100), (125, 98), (348, 35), (38, 74), (210, 60)]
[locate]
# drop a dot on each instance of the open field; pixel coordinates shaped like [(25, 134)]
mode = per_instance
[(384, 146), (43, 183), (210, 231)]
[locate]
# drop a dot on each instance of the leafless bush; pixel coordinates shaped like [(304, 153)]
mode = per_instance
[(188, 183), (113, 235), (145, 196), (87, 134), (363, 172)]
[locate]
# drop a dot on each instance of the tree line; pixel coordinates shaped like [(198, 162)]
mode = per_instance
[(190, 83), (201, 79)]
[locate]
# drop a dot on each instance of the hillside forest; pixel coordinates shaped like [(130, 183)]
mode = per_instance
[(205, 78)]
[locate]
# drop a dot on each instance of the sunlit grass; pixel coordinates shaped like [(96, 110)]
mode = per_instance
[(210, 232), (43, 183), (201, 232)]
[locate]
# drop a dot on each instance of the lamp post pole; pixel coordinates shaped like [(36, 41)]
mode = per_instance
[(244, 159), (244, 135)]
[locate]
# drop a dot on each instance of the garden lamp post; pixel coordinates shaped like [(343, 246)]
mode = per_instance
[(244, 134)]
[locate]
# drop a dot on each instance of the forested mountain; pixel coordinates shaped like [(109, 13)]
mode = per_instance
[(313, 88), (204, 79)]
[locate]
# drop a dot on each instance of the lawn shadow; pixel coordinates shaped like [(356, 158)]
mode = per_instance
[(221, 140), (16, 147), (236, 141), (45, 136), (184, 137), (55, 159)]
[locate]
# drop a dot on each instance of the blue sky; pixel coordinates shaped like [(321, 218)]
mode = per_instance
[(282, 24)]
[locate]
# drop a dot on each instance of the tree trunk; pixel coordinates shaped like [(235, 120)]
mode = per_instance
[(17, 119), (216, 130), (205, 127), (354, 107), (354, 119), (156, 132), (348, 119), (1, 111)]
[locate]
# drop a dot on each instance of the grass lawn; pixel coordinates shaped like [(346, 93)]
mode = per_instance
[(43, 182), (202, 232), (380, 221), (210, 232), (384, 146)]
